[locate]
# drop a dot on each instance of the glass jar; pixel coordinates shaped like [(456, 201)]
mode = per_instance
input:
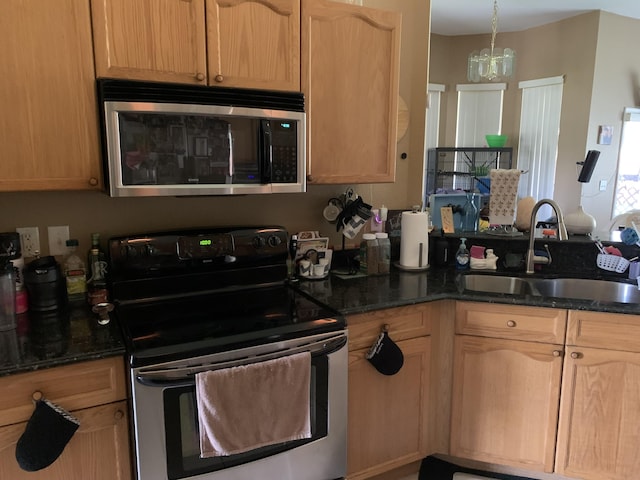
[(469, 215)]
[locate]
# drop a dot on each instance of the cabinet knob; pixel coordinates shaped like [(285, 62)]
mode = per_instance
[(200, 77), (576, 355), (37, 396), (511, 323), (310, 178), (219, 78), (93, 181), (557, 353), (119, 415)]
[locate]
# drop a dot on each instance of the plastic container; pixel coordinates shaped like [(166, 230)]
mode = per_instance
[(75, 273), (462, 256), (384, 252), (7, 298), (369, 254)]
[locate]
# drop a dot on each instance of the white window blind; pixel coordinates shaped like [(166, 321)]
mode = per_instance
[(479, 113), (432, 133), (539, 132)]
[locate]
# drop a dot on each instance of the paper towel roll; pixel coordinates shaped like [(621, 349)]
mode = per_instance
[(414, 239)]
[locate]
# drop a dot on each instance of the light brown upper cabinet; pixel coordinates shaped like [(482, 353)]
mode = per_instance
[(48, 119), (156, 40), (350, 74), (247, 43), (254, 44)]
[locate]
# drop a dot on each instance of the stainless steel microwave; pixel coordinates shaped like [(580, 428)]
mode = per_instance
[(183, 140)]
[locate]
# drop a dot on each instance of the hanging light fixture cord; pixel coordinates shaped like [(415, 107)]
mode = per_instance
[(494, 25)]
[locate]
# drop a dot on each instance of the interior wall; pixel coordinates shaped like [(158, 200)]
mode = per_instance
[(86, 212), (616, 85), (561, 48)]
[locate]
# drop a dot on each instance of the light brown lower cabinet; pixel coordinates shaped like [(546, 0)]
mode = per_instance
[(99, 450), (599, 427), (387, 425), (507, 367), (95, 393)]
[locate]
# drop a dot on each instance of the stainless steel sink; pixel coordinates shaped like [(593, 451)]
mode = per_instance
[(578, 288), (597, 290), (497, 284)]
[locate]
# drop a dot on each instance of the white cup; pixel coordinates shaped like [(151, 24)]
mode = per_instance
[(304, 268), (318, 270)]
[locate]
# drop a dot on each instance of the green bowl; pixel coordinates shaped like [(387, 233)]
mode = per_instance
[(496, 141)]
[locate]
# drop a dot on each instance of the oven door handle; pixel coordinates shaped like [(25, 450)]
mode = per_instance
[(185, 376)]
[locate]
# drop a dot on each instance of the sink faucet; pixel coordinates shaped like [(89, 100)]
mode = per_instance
[(562, 232)]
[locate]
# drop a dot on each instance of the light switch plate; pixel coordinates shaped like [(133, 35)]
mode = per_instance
[(58, 236)]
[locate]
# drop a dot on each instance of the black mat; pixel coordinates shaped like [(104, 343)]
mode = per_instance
[(433, 468)]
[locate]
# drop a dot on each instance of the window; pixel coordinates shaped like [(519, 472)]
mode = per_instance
[(479, 113), (539, 132), (627, 196), (432, 134)]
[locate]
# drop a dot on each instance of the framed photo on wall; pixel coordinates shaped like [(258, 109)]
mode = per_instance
[(605, 133)]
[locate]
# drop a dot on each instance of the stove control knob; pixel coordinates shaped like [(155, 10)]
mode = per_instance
[(131, 251), (229, 259), (259, 242), (149, 250), (274, 241)]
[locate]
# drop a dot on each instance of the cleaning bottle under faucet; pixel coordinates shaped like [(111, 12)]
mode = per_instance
[(462, 256)]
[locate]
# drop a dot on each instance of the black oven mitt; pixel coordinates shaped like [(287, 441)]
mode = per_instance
[(385, 355), (47, 433)]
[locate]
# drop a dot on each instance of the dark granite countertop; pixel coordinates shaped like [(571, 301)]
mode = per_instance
[(366, 293), (49, 339)]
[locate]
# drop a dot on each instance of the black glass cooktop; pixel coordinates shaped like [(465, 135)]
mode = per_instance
[(191, 325)]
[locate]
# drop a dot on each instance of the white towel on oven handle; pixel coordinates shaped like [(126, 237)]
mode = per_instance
[(250, 406)]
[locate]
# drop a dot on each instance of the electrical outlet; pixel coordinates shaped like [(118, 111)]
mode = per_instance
[(29, 241), (58, 237)]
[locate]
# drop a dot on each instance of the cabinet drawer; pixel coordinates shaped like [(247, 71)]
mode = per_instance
[(511, 321), (73, 387), (403, 323), (614, 331)]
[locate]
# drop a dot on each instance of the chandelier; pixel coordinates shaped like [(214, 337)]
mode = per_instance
[(491, 64)]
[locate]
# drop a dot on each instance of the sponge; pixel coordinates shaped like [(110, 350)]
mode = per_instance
[(476, 251)]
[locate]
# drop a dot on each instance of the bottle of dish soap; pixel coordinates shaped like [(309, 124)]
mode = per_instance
[(462, 256)]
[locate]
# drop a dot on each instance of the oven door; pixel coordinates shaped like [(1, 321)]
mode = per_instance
[(166, 425)]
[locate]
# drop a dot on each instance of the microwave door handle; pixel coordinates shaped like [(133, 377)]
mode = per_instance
[(231, 169), (267, 151)]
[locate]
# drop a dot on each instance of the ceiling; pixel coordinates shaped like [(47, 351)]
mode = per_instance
[(465, 17)]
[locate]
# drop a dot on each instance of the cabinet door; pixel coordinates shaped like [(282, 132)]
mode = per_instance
[(254, 43), (157, 40), (350, 74), (387, 414), (599, 431), (99, 450), (505, 401), (48, 119)]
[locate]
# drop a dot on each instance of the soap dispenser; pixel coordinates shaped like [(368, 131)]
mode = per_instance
[(462, 256)]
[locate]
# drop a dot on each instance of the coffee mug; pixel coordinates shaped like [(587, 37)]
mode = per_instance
[(304, 268), (318, 270), (353, 226)]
